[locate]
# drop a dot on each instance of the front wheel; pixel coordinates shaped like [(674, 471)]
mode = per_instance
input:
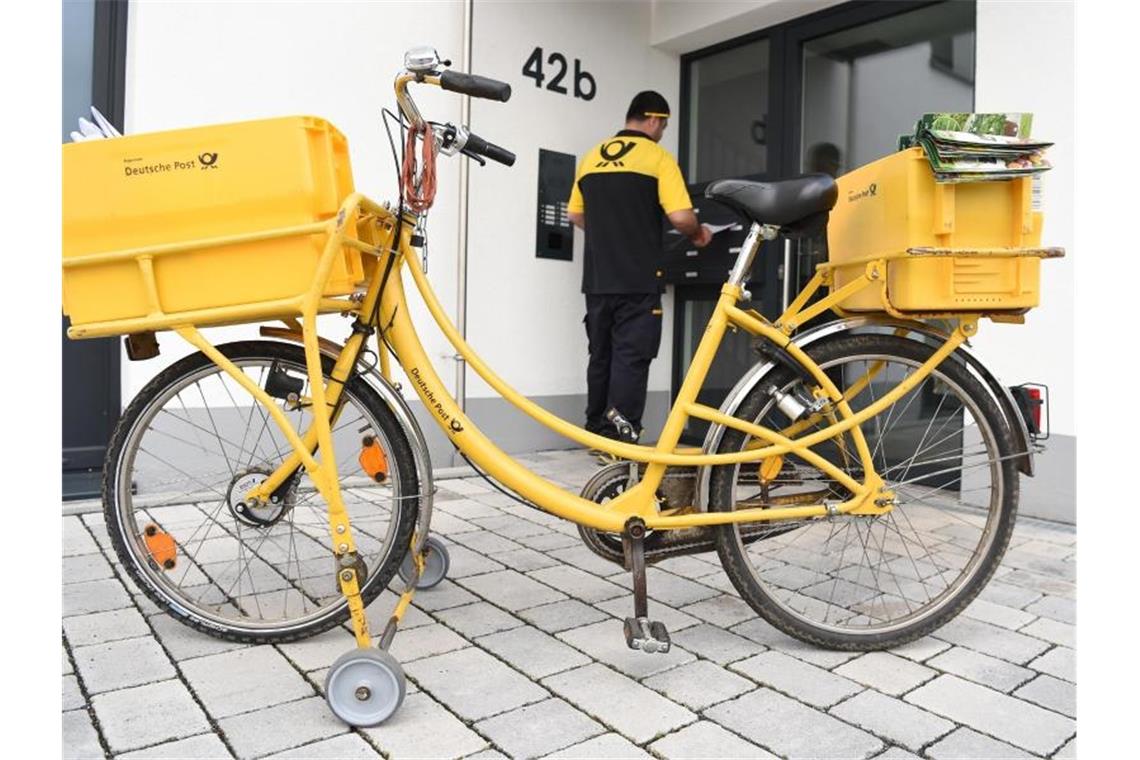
[(873, 582), (188, 448)]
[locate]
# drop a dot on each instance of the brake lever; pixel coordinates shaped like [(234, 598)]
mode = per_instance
[(449, 139), (474, 157)]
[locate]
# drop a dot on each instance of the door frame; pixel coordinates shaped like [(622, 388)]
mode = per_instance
[(108, 94), (109, 73)]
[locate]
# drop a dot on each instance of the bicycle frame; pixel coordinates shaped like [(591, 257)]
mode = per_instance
[(639, 501)]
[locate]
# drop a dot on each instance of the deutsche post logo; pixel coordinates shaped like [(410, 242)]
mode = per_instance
[(614, 151), (208, 160), (868, 192)]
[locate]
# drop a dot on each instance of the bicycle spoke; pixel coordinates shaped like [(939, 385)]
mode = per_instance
[(173, 437), (214, 425), (887, 570), (190, 477), (296, 560), (946, 471), (248, 423), (210, 522), (860, 573), (207, 430), (925, 433), (231, 571), (264, 415)]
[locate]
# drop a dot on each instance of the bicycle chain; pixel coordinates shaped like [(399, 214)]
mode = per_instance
[(596, 540)]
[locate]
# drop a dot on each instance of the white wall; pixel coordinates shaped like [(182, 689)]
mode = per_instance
[(681, 26), (212, 62), (1025, 59), (525, 313)]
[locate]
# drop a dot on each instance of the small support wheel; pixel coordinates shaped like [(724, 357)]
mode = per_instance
[(365, 687), (436, 563)]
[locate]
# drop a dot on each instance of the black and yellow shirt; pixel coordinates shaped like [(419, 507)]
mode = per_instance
[(623, 186)]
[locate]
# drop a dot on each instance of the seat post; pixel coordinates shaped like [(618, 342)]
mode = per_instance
[(757, 233)]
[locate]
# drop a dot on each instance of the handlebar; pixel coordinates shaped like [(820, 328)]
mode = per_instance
[(424, 66), (475, 86)]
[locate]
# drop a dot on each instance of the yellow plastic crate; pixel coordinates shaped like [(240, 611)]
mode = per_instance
[(893, 206), (195, 184)]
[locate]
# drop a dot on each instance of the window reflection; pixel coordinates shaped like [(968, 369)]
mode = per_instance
[(866, 85), (728, 113)]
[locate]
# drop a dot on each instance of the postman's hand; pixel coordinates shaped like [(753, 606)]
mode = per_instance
[(703, 237)]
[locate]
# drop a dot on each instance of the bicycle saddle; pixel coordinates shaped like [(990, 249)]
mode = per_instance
[(800, 204)]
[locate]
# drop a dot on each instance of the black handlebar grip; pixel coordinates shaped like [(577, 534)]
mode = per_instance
[(477, 144), (475, 85), (502, 155)]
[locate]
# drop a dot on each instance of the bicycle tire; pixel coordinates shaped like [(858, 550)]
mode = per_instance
[(132, 557), (763, 598)]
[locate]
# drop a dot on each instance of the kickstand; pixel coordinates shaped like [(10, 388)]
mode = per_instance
[(640, 632)]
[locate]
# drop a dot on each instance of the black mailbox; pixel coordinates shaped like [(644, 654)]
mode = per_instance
[(682, 262)]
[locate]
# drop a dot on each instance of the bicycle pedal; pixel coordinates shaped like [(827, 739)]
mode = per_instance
[(646, 635)]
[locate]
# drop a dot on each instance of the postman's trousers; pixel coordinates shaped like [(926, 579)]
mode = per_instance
[(624, 333)]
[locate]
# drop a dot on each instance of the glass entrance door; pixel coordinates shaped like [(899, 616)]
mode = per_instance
[(864, 85), (824, 93)]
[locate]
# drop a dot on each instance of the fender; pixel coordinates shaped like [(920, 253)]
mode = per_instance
[(917, 331), (404, 417)]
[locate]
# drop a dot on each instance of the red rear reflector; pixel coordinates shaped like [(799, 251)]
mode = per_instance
[(1035, 406)]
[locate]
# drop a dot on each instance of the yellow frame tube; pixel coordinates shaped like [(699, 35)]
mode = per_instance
[(814, 284), (503, 468), (823, 304), (638, 501), (707, 413)]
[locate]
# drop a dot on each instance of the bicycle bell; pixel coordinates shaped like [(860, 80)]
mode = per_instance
[(421, 60)]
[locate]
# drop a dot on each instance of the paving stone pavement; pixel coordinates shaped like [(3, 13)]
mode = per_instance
[(519, 653)]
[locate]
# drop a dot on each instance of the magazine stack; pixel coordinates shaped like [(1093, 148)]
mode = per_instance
[(978, 147)]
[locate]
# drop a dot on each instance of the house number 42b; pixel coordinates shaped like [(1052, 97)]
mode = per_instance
[(584, 85)]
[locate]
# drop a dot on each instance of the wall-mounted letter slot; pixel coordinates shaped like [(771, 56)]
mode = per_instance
[(554, 235)]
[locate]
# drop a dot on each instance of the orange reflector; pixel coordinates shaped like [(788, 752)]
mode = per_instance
[(373, 460), (161, 546), (770, 468)]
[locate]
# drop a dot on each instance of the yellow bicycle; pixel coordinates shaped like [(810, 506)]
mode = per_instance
[(859, 484)]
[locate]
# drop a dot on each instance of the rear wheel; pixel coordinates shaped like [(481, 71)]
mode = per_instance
[(872, 582), (193, 442)]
